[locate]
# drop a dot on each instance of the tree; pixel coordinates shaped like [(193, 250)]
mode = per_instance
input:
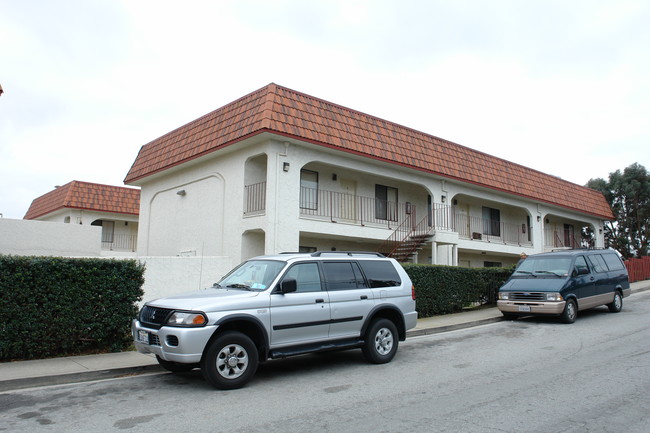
[(628, 194)]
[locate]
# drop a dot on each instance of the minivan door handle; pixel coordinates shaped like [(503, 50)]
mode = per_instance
[(320, 300), (364, 297)]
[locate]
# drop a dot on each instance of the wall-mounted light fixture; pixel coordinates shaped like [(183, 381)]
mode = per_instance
[(285, 166), (334, 176), (539, 218), (181, 192), (443, 198)]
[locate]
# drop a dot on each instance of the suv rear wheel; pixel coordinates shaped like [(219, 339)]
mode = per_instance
[(381, 342), (230, 361)]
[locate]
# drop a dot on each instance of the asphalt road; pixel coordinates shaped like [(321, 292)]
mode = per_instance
[(530, 375)]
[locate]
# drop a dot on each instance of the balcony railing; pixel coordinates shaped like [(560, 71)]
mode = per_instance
[(482, 229), (368, 211), (353, 209), (565, 239), (255, 198), (120, 243)]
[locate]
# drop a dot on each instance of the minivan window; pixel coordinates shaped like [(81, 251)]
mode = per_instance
[(340, 276), (544, 265), (597, 263), (581, 263), (613, 262), (307, 277), (380, 275)]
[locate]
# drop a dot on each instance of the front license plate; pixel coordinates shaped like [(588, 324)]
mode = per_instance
[(143, 337), (522, 309)]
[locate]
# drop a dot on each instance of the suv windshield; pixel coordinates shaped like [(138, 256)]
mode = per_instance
[(544, 265), (252, 275)]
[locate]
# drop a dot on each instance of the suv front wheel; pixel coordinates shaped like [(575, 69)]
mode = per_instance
[(230, 361), (381, 342)]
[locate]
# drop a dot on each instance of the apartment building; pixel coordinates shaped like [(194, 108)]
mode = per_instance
[(278, 170)]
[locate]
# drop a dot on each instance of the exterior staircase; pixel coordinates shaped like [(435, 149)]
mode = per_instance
[(407, 239)]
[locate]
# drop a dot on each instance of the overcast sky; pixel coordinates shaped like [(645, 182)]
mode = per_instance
[(559, 86)]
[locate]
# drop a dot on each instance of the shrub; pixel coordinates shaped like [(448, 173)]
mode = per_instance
[(52, 306), (449, 289)]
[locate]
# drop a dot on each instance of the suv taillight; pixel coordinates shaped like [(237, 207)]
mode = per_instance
[(413, 292)]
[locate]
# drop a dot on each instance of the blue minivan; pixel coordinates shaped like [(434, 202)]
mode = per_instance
[(561, 283)]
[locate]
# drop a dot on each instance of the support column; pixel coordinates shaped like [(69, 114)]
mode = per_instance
[(454, 253), (434, 253)]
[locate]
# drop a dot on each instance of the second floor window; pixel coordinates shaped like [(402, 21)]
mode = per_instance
[(491, 221), (385, 203)]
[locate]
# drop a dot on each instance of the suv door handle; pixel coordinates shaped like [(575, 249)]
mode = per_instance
[(318, 301), (364, 297)]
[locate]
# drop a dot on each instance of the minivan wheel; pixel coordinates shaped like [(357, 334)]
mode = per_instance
[(617, 303), (230, 361), (174, 367), (570, 312), (381, 342)]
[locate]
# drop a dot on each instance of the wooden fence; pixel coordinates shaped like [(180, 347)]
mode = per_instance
[(638, 269)]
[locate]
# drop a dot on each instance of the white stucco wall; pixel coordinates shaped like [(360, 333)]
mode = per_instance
[(165, 276), (44, 238)]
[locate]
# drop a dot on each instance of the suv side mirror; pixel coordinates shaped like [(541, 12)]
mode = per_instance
[(288, 285)]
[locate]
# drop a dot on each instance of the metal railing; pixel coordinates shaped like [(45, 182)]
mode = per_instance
[(255, 198), (494, 231), (562, 239), (353, 209), (120, 243), (342, 207)]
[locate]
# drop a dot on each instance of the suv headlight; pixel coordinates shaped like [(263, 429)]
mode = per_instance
[(554, 297), (187, 318), (504, 296)]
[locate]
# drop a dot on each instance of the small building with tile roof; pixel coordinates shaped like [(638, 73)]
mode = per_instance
[(279, 170), (114, 208)]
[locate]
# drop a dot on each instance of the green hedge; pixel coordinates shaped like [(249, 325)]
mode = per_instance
[(449, 289), (53, 306)]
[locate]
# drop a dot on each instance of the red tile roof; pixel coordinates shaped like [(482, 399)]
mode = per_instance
[(87, 196), (288, 113)]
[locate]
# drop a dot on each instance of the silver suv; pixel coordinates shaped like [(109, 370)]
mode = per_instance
[(277, 306)]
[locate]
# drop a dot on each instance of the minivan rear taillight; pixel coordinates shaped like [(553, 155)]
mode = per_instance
[(413, 292)]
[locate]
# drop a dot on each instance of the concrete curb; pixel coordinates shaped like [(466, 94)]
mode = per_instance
[(62, 379), (448, 328)]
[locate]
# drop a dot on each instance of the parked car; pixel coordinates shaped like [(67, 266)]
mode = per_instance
[(278, 306), (562, 283)]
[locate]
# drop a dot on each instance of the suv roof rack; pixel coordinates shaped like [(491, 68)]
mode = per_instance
[(348, 253)]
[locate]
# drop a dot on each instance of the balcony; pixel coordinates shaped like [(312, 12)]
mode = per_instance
[(353, 209), (565, 239), (480, 229), (120, 243), (337, 207), (255, 198)]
